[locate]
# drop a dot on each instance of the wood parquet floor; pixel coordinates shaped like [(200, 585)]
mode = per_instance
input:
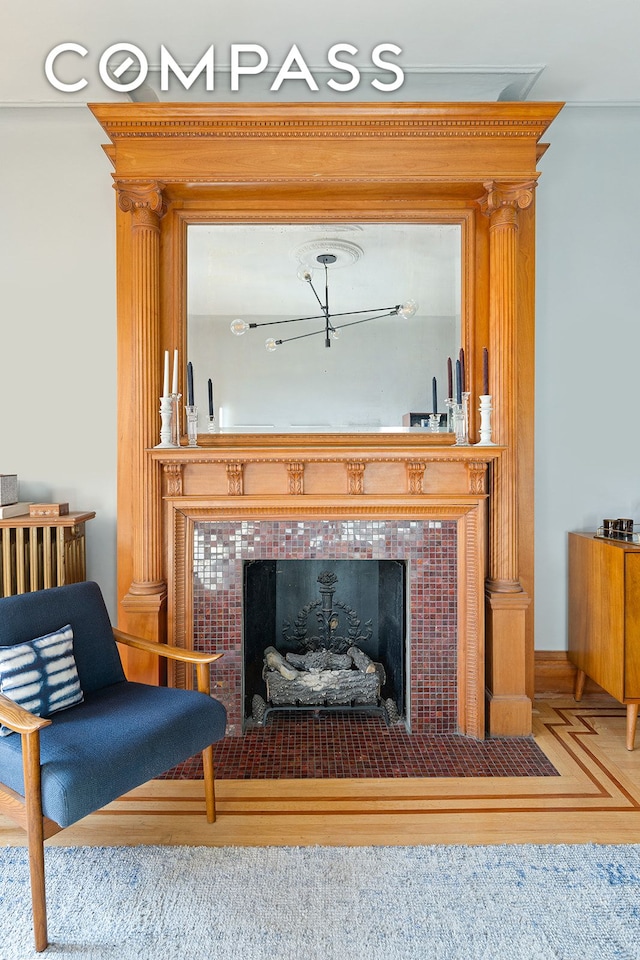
[(595, 799)]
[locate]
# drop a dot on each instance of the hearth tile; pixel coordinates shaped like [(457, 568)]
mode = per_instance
[(353, 746)]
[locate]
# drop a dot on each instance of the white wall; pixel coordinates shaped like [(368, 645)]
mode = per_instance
[(588, 341), (58, 320), (58, 346)]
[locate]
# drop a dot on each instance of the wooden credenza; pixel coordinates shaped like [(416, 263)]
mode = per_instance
[(604, 619), (41, 552)]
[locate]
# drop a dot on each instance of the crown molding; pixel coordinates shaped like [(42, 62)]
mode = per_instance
[(421, 83)]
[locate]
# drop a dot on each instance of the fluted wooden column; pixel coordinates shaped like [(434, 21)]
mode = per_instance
[(502, 204), (508, 706), (147, 592)]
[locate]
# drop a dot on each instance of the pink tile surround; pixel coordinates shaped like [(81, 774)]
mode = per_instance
[(428, 547)]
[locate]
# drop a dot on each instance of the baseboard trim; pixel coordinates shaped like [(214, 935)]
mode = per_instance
[(554, 675)]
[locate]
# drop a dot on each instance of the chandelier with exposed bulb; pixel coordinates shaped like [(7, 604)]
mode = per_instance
[(330, 329)]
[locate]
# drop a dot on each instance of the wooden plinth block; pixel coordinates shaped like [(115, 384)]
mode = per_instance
[(508, 706)]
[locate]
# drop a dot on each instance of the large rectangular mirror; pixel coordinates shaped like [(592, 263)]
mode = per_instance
[(380, 366)]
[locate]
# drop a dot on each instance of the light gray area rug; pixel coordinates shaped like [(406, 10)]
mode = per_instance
[(329, 903)]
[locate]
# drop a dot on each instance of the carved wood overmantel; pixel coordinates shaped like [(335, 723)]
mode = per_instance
[(470, 164)]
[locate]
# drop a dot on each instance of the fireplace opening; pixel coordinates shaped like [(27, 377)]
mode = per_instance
[(324, 635)]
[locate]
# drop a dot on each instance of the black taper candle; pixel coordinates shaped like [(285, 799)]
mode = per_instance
[(463, 380), (190, 384), (434, 389), (210, 389), (458, 382), (485, 371)]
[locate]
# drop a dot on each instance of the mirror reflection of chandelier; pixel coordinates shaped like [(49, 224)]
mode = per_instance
[(330, 329)]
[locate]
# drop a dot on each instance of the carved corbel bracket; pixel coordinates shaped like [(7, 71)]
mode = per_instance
[(173, 474), (477, 472), (235, 479), (415, 476), (296, 478), (355, 478)]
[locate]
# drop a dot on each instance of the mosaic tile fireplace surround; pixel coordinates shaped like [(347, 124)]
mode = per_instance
[(429, 549)]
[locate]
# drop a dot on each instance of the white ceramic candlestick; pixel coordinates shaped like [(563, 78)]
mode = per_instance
[(166, 421), (485, 421)]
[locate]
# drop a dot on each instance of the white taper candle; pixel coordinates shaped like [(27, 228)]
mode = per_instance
[(165, 382), (174, 385)]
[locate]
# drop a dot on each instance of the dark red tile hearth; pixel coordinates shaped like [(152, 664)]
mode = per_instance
[(302, 746)]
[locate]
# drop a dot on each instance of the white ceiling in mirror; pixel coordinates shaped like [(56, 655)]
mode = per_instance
[(250, 270)]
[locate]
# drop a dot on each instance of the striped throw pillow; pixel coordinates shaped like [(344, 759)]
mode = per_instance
[(41, 675)]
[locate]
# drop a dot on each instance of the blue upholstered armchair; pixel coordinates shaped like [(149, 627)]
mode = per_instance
[(74, 733)]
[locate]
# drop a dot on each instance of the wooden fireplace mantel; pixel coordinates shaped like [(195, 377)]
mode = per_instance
[(395, 464), (395, 477), (472, 164)]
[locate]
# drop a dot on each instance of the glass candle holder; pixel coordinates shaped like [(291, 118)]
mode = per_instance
[(192, 425), (212, 425), (175, 419), (450, 405), (461, 424), (465, 408), (434, 422)]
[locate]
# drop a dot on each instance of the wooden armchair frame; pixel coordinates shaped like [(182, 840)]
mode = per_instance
[(27, 811)]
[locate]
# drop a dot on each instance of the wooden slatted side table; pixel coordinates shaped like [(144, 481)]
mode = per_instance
[(604, 619), (40, 552)]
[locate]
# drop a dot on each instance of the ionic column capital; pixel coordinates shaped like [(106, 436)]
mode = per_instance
[(143, 198), (503, 201)]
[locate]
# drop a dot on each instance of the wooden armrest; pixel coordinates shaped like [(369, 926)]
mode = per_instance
[(167, 650), (18, 719)]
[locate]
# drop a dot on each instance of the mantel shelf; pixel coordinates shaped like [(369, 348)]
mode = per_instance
[(327, 447)]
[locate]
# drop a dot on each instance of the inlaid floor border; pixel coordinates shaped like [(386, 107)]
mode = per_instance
[(595, 798)]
